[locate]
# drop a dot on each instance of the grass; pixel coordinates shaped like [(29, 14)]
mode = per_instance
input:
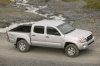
[(92, 4), (4, 2)]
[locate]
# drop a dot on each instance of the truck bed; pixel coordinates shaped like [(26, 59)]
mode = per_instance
[(21, 31)]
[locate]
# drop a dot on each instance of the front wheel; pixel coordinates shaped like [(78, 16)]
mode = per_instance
[(23, 46), (71, 50)]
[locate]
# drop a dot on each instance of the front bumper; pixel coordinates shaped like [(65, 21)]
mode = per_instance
[(86, 44)]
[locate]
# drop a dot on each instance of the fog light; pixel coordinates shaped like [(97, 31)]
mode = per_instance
[(84, 46)]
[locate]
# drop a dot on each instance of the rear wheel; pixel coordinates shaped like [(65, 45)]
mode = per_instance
[(23, 46), (71, 50)]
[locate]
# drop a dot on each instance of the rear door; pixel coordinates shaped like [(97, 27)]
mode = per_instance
[(38, 35)]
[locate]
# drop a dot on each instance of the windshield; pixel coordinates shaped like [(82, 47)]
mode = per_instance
[(65, 28)]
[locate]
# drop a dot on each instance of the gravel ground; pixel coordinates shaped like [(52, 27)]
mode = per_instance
[(10, 15), (70, 10)]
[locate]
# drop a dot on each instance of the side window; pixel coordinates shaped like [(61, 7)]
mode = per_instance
[(39, 29), (52, 31)]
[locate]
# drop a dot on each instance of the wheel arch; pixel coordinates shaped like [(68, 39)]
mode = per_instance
[(18, 39), (67, 43)]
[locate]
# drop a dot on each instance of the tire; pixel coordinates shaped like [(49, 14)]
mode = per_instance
[(71, 50), (23, 46)]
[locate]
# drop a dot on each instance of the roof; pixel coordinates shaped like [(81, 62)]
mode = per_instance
[(26, 25), (49, 22)]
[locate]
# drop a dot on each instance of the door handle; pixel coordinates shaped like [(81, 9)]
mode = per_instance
[(47, 36), (33, 35)]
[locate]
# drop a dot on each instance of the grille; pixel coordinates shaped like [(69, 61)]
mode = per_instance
[(89, 37)]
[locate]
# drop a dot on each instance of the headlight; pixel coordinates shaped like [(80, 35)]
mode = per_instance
[(82, 40)]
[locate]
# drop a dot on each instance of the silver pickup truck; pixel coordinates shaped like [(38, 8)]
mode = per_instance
[(50, 33)]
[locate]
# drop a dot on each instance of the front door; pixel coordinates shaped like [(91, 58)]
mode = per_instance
[(53, 37)]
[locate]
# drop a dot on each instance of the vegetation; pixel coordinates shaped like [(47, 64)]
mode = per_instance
[(95, 4), (69, 0), (4, 2)]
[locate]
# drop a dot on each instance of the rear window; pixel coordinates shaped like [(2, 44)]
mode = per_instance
[(22, 28)]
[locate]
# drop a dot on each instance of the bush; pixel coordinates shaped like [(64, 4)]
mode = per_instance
[(95, 4), (4, 2)]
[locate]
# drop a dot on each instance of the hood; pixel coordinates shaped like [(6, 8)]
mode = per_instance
[(79, 33)]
